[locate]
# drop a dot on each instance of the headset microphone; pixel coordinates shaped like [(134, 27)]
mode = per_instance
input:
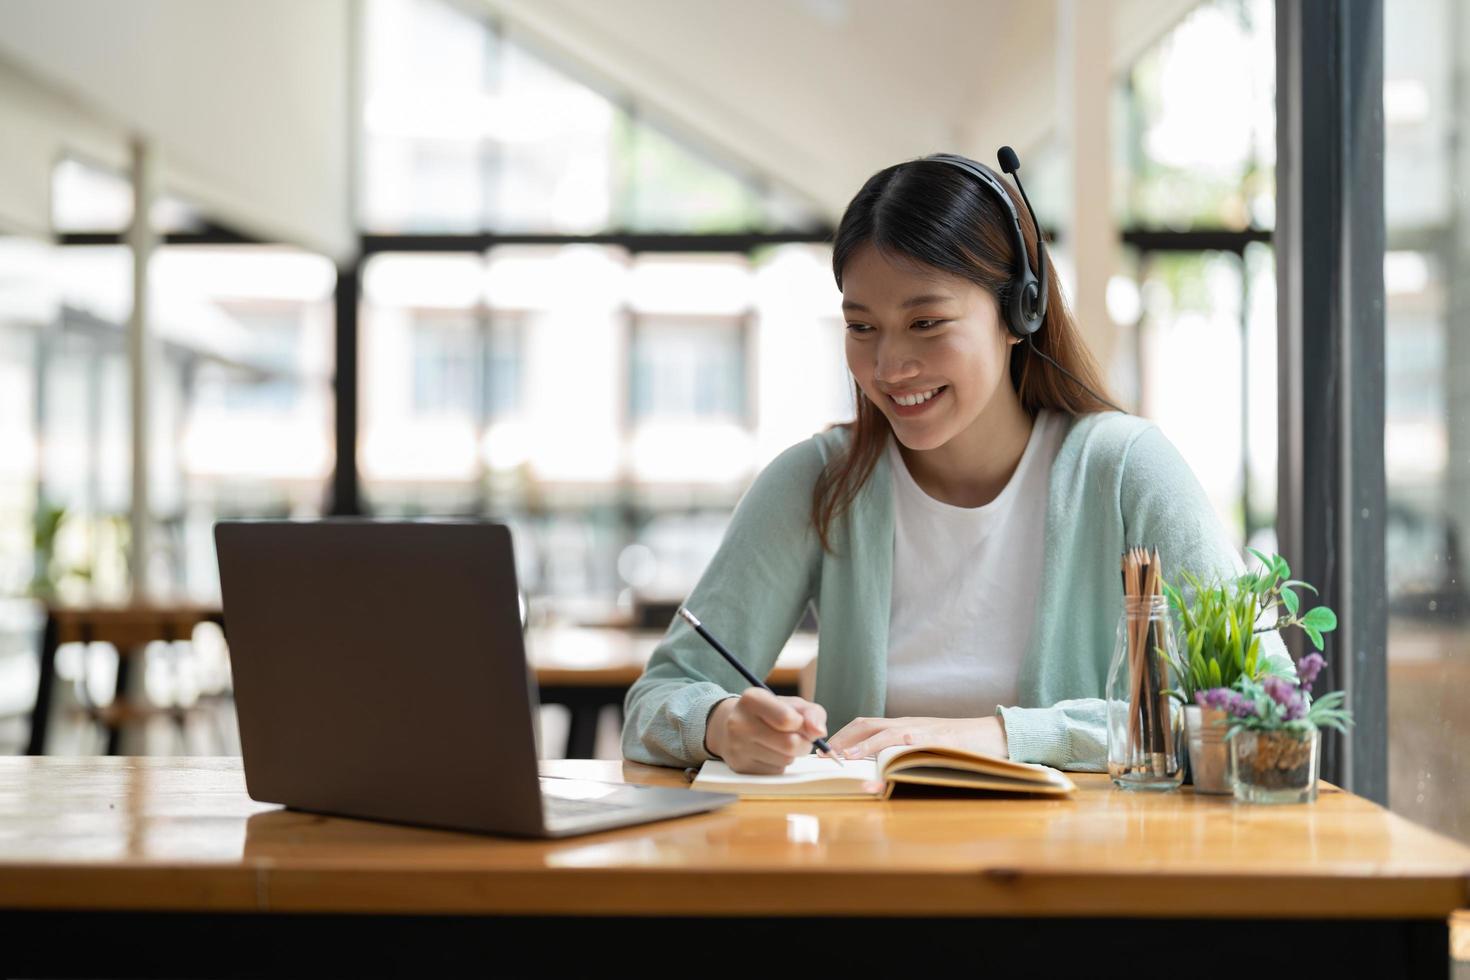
[(1010, 164)]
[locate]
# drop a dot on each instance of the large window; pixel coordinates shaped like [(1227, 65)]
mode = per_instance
[(466, 129), (243, 400), (1200, 115), (83, 466), (596, 418), (1427, 438), (240, 398), (1197, 144), (1215, 308), (27, 305), (611, 403)]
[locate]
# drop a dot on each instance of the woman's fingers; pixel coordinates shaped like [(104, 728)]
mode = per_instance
[(814, 717), (775, 722), (765, 733), (758, 754), (774, 711), (880, 741), (790, 744), (857, 731)]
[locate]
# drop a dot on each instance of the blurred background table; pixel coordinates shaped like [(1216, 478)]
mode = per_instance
[(586, 669), (129, 629)]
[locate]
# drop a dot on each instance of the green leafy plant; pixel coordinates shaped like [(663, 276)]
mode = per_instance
[(1221, 623), (49, 575), (45, 527)]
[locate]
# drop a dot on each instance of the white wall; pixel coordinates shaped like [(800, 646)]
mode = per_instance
[(247, 103), (38, 125)]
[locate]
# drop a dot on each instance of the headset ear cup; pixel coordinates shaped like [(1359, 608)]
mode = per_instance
[(1026, 318), (1031, 306), (1014, 305)]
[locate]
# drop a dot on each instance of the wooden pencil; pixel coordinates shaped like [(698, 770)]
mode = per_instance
[(1148, 711), (1151, 680), (1130, 589)]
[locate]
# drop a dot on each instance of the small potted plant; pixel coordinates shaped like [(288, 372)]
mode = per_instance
[(1275, 733), (1221, 624)]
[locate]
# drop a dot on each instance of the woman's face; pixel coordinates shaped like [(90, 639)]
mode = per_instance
[(926, 346)]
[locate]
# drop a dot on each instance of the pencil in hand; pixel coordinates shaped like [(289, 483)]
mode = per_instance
[(751, 679)]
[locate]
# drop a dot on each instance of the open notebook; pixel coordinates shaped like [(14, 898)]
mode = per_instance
[(816, 777)]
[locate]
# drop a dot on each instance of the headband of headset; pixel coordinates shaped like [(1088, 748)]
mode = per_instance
[(1024, 302)]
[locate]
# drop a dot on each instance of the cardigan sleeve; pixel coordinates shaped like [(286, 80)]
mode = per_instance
[(752, 595), (1069, 735), (1160, 503)]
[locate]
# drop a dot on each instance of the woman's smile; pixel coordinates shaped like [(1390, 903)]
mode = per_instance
[(910, 404)]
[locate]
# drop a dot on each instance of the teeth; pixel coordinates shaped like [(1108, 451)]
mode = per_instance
[(911, 400)]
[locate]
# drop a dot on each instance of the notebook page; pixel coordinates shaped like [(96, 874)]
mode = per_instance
[(807, 769)]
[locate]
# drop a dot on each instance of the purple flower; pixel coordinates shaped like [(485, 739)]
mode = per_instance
[(1225, 699), (1297, 709), (1279, 690), (1310, 666), (1215, 697)]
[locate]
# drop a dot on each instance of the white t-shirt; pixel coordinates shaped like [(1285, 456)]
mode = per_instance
[(965, 581)]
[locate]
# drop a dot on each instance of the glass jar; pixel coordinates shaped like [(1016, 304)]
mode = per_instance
[(1145, 722), (1275, 766)]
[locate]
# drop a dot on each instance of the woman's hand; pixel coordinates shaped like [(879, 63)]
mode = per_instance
[(868, 736), (760, 732)]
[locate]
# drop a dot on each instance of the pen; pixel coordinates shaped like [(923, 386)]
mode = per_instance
[(750, 678)]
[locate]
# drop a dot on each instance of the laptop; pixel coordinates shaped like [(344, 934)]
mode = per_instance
[(379, 672)]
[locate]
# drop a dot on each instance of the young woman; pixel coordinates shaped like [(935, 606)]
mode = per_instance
[(960, 539)]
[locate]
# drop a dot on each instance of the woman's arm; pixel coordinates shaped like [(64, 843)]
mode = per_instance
[(751, 596), (1068, 735)]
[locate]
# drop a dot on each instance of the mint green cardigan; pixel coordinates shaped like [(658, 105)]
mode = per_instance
[(1116, 481)]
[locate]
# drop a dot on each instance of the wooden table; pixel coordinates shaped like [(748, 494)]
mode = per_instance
[(169, 862)]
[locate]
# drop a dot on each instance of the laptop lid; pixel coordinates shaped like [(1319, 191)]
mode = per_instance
[(379, 670)]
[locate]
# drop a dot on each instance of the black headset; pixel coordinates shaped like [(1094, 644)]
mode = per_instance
[(1023, 299)]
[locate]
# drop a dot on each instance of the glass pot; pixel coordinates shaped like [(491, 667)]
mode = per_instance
[(1275, 766), (1145, 723)]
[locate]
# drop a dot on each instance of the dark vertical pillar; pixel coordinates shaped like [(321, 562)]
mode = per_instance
[(1329, 263), (346, 484)]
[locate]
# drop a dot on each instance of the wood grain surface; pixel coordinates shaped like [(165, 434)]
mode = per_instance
[(154, 833)]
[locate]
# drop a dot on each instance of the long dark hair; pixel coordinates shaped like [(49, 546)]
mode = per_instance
[(938, 215)]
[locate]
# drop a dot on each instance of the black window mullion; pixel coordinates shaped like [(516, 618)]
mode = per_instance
[(1329, 262)]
